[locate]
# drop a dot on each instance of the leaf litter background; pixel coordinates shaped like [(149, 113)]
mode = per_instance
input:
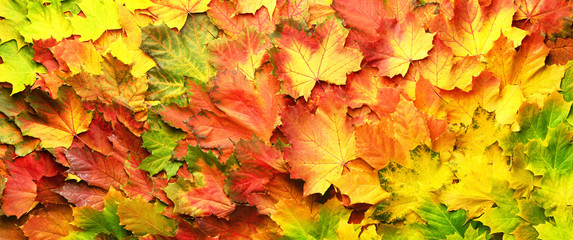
[(295, 119)]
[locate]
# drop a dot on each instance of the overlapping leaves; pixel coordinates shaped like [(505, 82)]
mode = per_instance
[(286, 119)]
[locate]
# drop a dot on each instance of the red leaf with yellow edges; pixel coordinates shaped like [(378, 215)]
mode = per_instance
[(321, 143)]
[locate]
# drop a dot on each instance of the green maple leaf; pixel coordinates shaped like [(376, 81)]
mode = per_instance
[(45, 22), (106, 221), (14, 11), (18, 67), (142, 217), (160, 140), (562, 228), (556, 191), (165, 87), (185, 53), (553, 154), (440, 222), (101, 15)]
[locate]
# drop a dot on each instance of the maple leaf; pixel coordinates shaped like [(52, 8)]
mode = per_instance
[(19, 196), (321, 143), (56, 122), (13, 104), (441, 224), (224, 15), (165, 87), (100, 15), (105, 220), (366, 88), (161, 140), (251, 6), (244, 221), (77, 56), (502, 218), (81, 194), (45, 22), (525, 68), (258, 163), (245, 53), (17, 67), (377, 146), (114, 84), (447, 72), (535, 123), (10, 230), (174, 13), (216, 132), (560, 229), (142, 217), (476, 25), (398, 45), (254, 107), (95, 168), (555, 192), (408, 185), (8, 32), (124, 44), (547, 16), (203, 195), (49, 223), (185, 53), (300, 220), (10, 134), (304, 60), (560, 51), (361, 184), (364, 15)]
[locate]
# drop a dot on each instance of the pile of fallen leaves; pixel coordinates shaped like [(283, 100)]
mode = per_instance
[(295, 119)]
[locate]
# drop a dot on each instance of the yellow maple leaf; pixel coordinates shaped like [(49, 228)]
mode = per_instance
[(321, 143), (398, 45), (174, 12), (360, 183), (304, 60)]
